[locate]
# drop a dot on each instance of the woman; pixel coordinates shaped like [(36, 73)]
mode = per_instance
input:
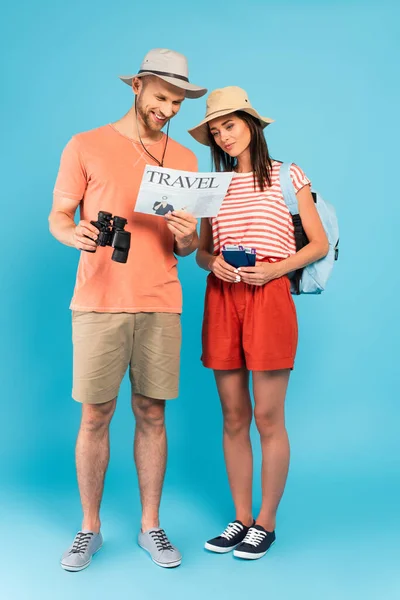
[(249, 318)]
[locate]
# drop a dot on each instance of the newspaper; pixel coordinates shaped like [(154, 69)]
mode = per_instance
[(164, 190)]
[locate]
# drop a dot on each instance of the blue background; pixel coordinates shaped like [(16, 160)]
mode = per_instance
[(328, 74)]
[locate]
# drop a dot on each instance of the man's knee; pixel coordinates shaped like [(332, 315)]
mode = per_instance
[(96, 417), (149, 413)]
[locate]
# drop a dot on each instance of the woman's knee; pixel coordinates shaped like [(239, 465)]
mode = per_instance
[(237, 420), (268, 422)]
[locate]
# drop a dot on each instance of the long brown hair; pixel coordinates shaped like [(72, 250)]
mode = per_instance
[(259, 155)]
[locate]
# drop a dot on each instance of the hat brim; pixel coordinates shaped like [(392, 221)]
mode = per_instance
[(191, 90), (200, 132)]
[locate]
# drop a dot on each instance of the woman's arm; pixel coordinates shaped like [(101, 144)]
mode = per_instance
[(208, 261), (204, 256), (317, 247)]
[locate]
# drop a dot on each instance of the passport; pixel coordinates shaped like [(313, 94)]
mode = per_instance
[(239, 256)]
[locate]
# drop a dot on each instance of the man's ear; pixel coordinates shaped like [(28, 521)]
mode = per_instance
[(137, 85)]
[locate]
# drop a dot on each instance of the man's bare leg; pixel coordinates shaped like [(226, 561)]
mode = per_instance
[(92, 456), (150, 452)]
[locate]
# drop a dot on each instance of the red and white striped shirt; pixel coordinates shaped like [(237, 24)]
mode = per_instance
[(260, 220)]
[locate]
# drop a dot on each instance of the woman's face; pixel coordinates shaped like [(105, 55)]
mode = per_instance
[(231, 134)]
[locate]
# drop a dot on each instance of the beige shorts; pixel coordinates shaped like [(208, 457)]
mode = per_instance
[(105, 344)]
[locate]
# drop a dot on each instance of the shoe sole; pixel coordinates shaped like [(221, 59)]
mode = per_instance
[(76, 569), (170, 565), (218, 549), (250, 556)]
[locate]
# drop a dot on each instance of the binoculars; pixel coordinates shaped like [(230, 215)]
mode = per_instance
[(112, 233)]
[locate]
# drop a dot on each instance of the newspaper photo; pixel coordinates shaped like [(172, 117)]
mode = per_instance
[(164, 190)]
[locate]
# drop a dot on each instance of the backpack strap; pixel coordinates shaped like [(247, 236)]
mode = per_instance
[(289, 196), (287, 188)]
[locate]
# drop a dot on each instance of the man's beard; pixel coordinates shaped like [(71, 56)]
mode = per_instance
[(147, 120)]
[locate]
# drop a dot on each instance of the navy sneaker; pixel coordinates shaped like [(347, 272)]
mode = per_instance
[(231, 537), (256, 543)]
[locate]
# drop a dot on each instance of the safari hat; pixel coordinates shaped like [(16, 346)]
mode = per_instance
[(223, 102), (170, 66)]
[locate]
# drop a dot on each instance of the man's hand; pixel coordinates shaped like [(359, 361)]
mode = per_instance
[(224, 270), (84, 236), (261, 274), (182, 225)]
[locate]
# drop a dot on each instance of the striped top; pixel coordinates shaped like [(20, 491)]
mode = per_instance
[(260, 220)]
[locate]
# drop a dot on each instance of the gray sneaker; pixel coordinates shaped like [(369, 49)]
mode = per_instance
[(162, 552), (79, 554)]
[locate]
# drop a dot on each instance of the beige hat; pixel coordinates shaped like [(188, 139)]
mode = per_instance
[(224, 102), (170, 66)]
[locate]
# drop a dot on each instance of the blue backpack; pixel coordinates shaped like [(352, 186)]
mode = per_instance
[(312, 279)]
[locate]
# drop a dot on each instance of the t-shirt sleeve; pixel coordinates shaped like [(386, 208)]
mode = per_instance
[(71, 180), (299, 178), (192, 163)]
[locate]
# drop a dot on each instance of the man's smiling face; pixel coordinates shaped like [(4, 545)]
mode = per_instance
[(156, 100)]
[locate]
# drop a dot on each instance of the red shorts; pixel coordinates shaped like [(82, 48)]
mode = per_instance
[(248, 325)]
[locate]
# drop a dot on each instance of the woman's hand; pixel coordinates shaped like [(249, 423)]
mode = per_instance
[(223, 270), (261, 274)]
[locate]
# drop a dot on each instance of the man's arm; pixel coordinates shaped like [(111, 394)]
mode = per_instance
[(69, 190), (184, 227), (64, 229), (181, 249)]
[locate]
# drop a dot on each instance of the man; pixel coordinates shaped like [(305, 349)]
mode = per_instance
[(126, 314), (162, 208)]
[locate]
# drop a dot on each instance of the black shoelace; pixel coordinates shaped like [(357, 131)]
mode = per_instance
[(81, 542), (161, 540)]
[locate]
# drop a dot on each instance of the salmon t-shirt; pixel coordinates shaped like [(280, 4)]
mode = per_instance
[(103, 168)]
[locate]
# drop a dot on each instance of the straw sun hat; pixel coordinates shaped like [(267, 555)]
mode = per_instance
[(222, 102)]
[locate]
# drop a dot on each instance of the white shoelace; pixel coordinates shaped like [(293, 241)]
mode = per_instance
[(232, 530), (254, 537)]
